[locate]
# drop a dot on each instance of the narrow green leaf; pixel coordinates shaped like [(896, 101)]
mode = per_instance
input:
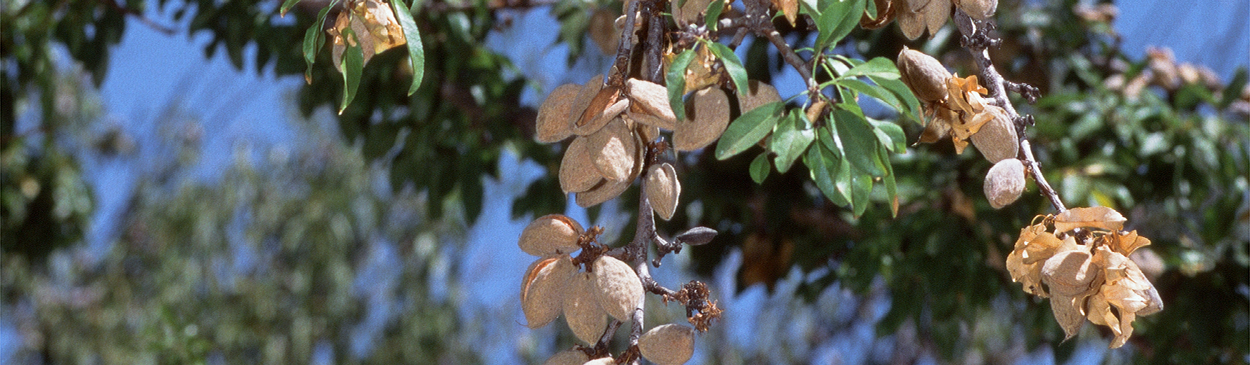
[(891, 187), (1237, 83), (760, 168), (416, 51), (822, 168), (877, 92), (837, 20), (896, 140), (313, 38), (790, 139), (810, 7), (353, 65), (676, 82), (828, 137), (732, 65), (861, 188), (903, 93), (879, 67), (748, 129), (859, 143), (713, 14), (286, 5)]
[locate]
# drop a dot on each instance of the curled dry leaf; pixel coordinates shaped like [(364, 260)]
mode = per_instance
[(617, 287), (759, 94), (923, 74), (663, 190), (568, 357), (551, 235), (553, 116), (542, 291), (667, 344), (1102, 218), (649, 98), (997, 139), (613, 150), (978, 9), (1068, 313), (1071, 274), (581, 308), (710, 118), (577, 169), (1004, 183)]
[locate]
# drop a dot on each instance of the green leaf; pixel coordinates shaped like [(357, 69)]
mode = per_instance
[(353, 65), (748, 129), (877, 92), (791, 137), (891, 187), (859, 143), (903, 93), (313, 38), (1231, 92), (810, 7), (676, 82), (894, 138), (837, 20), (732, 65), (879, 67), (861, 186), (416, 51), (286, 5), (713, 14), (760, 168), (823, 169)]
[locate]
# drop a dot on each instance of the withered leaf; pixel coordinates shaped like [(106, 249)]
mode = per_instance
[(1090, 218)]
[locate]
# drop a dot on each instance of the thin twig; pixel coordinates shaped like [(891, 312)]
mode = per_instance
[(760, 22)]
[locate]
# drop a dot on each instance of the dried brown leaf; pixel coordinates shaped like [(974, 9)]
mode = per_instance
[(1102, 218)]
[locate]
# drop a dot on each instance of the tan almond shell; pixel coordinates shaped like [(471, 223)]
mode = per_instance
[(553, 115), (936, 13), (577, 169), (581, 308), (667, 344), (663, 190), (978, 9), (604, 191), (911, 22), (542, 290), (761, 93), (1004, 183), (568, 357), (923, 74), (603, 108), (650, 98), (617, 287), (997, 138), (649, 120), (613, 150), (551, 235), (710, 118), (584, 96)]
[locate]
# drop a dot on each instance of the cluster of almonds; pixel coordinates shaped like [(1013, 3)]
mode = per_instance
[(554, 285), (613, 126), (1083, 267), (915, 16)]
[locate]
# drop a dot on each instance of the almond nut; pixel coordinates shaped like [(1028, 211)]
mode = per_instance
[(668, 344), (997, 139), (613, 150), (581, 308), (1004, 182), (542, 292), (710, 118), (618, 288), (759, 94), (551, 235), (650, 98), (568, 357), (553, 115), (603, 108), (663, 190), (923, 74), (584, 96), (978, 9), (577, 169), (604, 191)]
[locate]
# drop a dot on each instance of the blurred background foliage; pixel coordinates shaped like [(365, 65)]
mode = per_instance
[(276, 261)]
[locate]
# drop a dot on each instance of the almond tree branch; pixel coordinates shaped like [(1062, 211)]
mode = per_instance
[(976, 40), (759, 21)]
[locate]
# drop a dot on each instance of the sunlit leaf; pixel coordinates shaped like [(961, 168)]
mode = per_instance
[(675, 81), (732, 65), (712, 14), (748, 129), (824, 168), (904, 94), (890, 135), (837, 20), (875, 91), (861, 186), (879, 67), (791, 138), (416, 51)]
